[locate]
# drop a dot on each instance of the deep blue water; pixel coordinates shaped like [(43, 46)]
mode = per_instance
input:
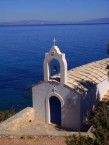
[(22, 50)]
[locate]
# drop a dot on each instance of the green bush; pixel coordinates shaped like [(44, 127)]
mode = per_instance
[(100, 123), (79, 140), (6, 114)]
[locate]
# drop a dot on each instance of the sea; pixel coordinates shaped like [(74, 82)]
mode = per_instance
[(22, 52)]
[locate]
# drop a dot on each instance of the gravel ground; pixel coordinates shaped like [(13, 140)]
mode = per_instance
[(33, 141)]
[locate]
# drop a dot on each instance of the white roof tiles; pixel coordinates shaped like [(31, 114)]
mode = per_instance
[(85, 77)]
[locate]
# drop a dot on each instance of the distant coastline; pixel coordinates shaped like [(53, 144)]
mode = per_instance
[(47, 23), (55, 24)]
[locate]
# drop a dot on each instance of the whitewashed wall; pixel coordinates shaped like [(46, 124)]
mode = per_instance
[(70, 111)]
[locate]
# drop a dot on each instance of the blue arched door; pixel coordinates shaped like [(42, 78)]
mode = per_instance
[(55, 110)]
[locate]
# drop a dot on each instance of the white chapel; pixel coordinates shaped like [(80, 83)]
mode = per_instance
[(67, 98)]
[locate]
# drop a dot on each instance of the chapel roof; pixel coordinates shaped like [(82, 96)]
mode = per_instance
[(84, 77)]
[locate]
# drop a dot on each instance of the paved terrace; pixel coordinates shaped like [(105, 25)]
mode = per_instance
[(86, 76), (23, 123)]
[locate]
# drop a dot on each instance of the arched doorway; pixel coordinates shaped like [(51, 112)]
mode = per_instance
[(55, 110)]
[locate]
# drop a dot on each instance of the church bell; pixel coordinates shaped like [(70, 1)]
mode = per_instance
[(55, 68)]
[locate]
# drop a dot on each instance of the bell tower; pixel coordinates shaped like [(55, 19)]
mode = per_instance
[(60, 57)]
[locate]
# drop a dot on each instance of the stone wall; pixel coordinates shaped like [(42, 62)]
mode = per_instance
[(19, 120)]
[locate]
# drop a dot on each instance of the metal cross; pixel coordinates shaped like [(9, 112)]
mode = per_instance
[(54, 41), (54, 89)]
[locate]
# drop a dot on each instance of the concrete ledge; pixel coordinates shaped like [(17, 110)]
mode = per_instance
[(19, 120)]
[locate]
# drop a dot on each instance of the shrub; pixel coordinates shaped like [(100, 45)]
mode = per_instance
[(79, 140), (6, 114), (100, 123)]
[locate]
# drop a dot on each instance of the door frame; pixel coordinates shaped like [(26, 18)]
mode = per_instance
[(47, 113)]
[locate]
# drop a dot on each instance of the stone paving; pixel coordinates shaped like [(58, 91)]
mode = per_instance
[(36, 128)]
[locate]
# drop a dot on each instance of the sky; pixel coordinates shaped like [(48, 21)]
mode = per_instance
[(53, 10)]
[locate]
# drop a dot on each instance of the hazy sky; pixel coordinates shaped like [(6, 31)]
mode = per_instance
[(61, 10)]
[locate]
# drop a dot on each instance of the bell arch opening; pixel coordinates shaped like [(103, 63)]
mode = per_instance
[(54, 69)]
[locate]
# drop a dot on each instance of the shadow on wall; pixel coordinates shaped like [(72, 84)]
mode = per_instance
[(89, 99)]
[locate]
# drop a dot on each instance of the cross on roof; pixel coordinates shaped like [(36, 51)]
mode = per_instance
[(54, 41)]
